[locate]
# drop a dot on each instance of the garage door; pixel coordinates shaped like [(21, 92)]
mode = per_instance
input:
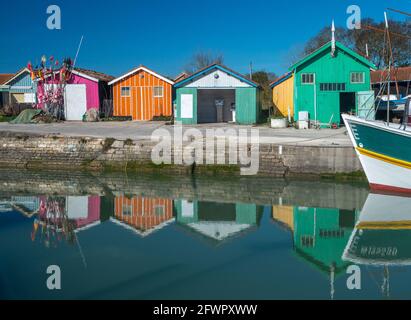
[(75, 101), (206, 109)]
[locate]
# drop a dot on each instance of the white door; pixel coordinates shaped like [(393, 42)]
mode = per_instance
[(75, 102), (186, 106), (187, 209)]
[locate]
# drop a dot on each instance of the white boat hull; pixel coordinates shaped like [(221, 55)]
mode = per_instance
[(384, 153)]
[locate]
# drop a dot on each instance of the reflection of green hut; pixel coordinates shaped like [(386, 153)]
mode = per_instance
[(217, 221), (321, 235)]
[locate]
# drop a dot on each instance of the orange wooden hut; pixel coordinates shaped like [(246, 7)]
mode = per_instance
[(143, 215), (142, 94)]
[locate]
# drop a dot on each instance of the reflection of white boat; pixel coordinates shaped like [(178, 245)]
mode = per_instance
[(382, 235)]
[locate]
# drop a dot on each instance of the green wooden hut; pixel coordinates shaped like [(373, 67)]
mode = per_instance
[(217, 221), (217, 94), (330, 81)]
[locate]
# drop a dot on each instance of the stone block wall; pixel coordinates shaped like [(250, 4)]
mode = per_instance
[(56, 152)]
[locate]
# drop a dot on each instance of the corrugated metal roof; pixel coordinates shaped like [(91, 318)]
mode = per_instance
[(4, 77), (398, 74), (94, 74)]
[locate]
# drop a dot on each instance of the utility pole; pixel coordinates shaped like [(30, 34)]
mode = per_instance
[(332, 39), (251, 70)]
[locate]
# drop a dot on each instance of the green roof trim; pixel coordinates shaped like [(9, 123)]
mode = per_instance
[(328, 46), (4, 88)]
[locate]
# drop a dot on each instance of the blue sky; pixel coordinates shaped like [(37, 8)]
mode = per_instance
[(163, 35)]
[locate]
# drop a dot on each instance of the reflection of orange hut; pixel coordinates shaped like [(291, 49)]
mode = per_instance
[(143, 215)]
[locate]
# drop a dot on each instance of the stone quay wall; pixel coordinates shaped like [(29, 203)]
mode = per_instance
[(22, 150)]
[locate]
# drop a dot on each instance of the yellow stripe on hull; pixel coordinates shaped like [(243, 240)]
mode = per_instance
[(385, 225), (378, 156)]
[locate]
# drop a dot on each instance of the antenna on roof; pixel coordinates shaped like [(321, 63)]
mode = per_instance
[(332, 39), (78, 50)]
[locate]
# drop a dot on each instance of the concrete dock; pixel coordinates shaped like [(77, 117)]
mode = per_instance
[(142, 130)]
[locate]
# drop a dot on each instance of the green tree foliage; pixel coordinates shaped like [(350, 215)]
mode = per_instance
[(264, 79)]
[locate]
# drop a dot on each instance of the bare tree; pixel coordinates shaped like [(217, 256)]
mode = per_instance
[(201, 60), (400, 41)]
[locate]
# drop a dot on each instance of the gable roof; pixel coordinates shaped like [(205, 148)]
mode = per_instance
[(94, 75), (205, 71), (338, 45), (5, 77), (398, 74), (17, 74), (181, 76), (85, 73), (281, 79), (139, 69)]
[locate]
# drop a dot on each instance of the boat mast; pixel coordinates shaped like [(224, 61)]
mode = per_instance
[(385, 287), (389, 69), (332, 280)]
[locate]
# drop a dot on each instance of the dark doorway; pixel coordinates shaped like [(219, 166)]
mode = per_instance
[(213, 211), (206, 105), (347, 218), (347, 103)]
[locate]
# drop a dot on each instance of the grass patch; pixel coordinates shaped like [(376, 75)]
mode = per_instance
[(342, 176), (162, 118), (6, 118), (117, 118), (216, 169)]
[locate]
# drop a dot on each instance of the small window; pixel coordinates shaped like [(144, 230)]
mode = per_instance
[(125, 91), (159, 210), (357, 77), (307, 78), (127, 209), (332, 86), (158, 92)]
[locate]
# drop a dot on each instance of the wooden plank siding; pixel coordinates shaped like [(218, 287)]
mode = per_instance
[(140, 212), (141, 104), (283, 95)]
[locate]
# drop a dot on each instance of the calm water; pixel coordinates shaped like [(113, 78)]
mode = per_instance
[(150, 237)]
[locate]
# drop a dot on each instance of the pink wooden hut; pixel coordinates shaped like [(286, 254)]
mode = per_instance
[(85, 90)]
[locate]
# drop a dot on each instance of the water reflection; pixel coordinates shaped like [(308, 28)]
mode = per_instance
[(217, 221), (178, 235), (382, 236), (142, 215)]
